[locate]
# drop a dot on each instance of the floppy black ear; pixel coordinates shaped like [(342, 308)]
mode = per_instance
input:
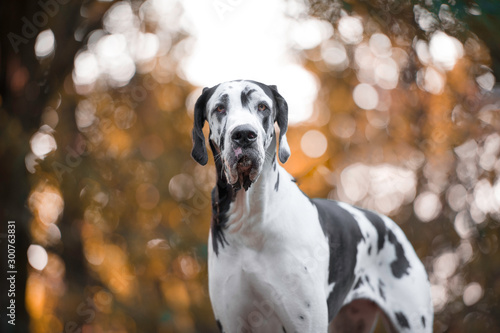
[(282, 120), (199, 151)]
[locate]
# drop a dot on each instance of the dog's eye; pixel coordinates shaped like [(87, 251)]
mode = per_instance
[(220, 108), (262, 107)]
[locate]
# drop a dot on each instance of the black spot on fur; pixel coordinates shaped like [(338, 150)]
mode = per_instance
[(284, 330), (370, 250), (267, 89), (219, 325), (265, 123), (224, 98), (277, 185), (343, 235), (381, 292), (423, 321), (400, 265), (301, 317), (402, 320), (308, 305), (379, 225), (367, 279), (381, 289), (222, 138), (358, 284), (245, 97)]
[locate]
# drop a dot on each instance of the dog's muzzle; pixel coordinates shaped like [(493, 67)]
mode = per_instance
[(243, 162)]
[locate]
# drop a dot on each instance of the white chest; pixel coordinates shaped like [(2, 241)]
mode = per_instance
[(270, 277)]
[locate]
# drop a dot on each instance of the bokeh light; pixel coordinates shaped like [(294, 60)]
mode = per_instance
[(472, 293), (42, 143), (392, 107), (427, 206), (445, 50), (45, 43), (313, 144), (365, 96), (261, 55), (351, 29), (384, 188), (37, 257)]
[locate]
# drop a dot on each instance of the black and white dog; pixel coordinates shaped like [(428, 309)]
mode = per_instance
[(280, 261)]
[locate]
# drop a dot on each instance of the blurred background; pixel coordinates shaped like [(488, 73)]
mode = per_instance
[(394, 106)]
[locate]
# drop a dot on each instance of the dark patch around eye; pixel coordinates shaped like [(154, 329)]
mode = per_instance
[(223, 102), (265, 108), (265, 123)]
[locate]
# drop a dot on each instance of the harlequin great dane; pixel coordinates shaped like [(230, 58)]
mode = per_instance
[(280, 261)]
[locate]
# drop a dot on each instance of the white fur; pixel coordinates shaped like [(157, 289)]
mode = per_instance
[(271, 272), (257, 281)]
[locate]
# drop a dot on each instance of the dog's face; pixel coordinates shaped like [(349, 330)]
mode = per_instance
[(241, 116)]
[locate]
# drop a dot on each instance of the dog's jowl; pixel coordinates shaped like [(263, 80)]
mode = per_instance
[(280, 261)]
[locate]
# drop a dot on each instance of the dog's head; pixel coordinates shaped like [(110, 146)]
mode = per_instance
[(241, 116)]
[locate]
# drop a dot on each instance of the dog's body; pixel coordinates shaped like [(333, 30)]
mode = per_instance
[(281, 262)]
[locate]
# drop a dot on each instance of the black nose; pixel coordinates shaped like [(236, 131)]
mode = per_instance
[(244, 135)]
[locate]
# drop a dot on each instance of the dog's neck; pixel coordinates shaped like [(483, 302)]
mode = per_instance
[(241, 212)]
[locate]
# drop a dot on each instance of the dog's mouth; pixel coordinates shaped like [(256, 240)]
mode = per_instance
[(243, 169)]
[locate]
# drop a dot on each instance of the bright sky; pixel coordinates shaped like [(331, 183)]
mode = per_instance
[(243, 39), (238, 39)]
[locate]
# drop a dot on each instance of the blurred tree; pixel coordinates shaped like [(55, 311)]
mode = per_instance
[(407, 83), (94, 106), (482, 17), (27, 86)]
